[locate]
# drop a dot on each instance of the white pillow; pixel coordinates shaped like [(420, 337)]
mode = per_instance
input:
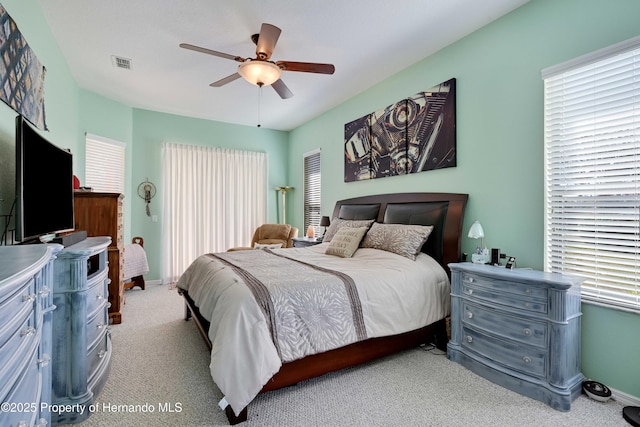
[(346, 241), (267, 246)]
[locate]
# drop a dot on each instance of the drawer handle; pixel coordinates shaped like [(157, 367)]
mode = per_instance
[(108, 305), (29, 331), (469, 338), (41, 423), (101, 325), (526, 359), (22, 424), (526, 304), (45, 291), (528, 291), (44, 361), (99, 297), (470, 279), (527, 331), (29, 298), (102, 354), (469, 315), (469, 291)]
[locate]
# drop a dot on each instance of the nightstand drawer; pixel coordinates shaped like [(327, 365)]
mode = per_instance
[(27, 391), (97, 354), (523, 358), (494, 321), (18, 348), (97, 293), (96, 326), (15, 310), (471, 290), (506, 286)]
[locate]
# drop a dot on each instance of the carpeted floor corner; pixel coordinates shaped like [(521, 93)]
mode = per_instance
[(160, 377)]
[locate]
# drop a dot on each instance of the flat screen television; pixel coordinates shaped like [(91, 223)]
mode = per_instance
[(44, 186)]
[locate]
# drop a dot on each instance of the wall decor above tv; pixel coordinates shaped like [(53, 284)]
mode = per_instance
[(416, 134), (21, 73)]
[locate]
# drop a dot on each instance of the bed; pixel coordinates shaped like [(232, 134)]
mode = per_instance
[(381, 300), (134, 264)]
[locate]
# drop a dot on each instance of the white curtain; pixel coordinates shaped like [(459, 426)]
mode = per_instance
[(213, 199)]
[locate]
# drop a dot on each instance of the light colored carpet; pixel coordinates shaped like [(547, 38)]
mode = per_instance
[(161, 364)]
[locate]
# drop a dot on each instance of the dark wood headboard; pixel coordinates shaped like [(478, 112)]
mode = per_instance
[(445, 211)]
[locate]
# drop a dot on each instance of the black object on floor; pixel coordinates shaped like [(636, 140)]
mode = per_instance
[(632, 415), (596, 390)]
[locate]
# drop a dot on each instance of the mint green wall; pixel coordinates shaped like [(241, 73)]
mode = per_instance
[(151, 129), (499, 144)]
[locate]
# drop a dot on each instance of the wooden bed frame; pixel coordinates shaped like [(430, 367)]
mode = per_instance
[(444, 211)]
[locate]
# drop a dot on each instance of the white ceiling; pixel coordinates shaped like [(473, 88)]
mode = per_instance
[(366, 40)]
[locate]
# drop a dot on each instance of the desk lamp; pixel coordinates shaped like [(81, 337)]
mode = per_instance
[(481, 256)]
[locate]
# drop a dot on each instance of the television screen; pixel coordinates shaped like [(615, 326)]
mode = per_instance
[(44, 185)]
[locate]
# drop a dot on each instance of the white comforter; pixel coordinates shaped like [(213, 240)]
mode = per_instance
[(397, 295)]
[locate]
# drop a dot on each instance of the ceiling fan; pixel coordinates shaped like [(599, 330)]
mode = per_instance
[(260, 71)]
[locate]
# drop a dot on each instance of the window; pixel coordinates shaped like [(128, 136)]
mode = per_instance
[(312, 190), (592, 173), (104, 164)]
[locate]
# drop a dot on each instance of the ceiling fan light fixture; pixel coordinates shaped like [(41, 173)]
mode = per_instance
[(260, 73)]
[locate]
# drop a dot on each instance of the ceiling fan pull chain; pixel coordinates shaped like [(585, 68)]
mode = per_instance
[(259, 101)]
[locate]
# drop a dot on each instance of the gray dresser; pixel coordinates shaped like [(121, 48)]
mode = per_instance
[(82, 340), (25, 334), (519, 329)]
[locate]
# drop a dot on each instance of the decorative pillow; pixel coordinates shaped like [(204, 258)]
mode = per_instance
[(337, 223), (401, 239), (346, 241), (269, 246)]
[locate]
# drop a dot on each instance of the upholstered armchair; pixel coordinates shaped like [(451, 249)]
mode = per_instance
[(268, 234)]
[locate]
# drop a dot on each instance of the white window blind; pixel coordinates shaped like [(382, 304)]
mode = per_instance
[(312, 190), (104, 164), (592, 173)]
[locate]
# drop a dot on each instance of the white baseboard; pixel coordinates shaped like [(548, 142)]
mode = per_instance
[(624, 398)]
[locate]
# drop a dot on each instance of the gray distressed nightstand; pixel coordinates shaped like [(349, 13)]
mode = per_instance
[(519, 329), (303, 242)]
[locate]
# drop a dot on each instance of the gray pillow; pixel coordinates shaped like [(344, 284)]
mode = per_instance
[(337, 223), (401, 239), (346, 241)]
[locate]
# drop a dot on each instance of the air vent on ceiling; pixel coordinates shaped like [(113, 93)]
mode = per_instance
[(120, 62)]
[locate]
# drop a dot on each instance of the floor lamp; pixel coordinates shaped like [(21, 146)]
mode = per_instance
[(283, 191)]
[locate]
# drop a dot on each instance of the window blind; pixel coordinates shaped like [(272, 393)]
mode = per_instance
[(592, 174), (104, 164), (312, 190)]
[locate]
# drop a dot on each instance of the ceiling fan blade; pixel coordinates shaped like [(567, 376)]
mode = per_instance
[(226, 80), (282, 89), (306, 67), (211, 52), (267, 41)]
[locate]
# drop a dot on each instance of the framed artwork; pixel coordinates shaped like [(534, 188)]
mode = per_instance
[(389, 140), (414, 135), (357, 150), (21, 73)]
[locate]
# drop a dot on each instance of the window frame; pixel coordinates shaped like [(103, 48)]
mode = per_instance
[(104, 164), (592, 195), (312, 190)]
